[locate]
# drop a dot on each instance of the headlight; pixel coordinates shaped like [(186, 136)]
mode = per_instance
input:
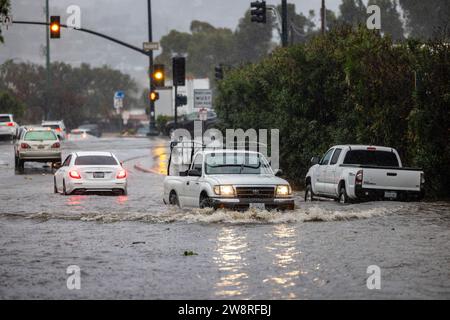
[(225, 191), (283, 191)]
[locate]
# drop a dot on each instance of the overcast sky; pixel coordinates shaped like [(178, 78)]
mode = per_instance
[(123, 19)]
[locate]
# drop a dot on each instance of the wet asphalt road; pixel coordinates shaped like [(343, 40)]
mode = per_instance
[(132, 246)]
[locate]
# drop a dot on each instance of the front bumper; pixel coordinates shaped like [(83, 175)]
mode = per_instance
[(244, 204), (379, 194), (42, 156)]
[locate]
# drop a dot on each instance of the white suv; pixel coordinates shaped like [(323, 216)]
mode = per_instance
[(58, 126), (7, 126)]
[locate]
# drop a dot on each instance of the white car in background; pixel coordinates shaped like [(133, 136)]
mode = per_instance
[(8, 127), (58, 126), (37, 145), (91, 172)]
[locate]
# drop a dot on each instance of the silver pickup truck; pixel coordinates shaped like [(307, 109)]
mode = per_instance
[(354, 172)]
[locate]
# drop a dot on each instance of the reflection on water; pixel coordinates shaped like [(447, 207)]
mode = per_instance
[(284, 249), (75, 200), (231, 262), (122, 200), (159, 154)]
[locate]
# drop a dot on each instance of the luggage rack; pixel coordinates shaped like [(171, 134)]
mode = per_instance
[(195, 146)]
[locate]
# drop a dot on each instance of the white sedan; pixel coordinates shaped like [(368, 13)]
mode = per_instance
[(83, 172)]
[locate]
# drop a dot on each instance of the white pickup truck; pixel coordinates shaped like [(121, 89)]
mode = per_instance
[(233, 179), (354, 172)]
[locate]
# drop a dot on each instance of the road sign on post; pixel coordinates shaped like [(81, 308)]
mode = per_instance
[(202, 99), (150, 46), (118, 100)]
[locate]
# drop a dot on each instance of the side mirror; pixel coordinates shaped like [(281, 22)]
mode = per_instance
[(279, 172), (194, 173), (121, 163), (315, 160)]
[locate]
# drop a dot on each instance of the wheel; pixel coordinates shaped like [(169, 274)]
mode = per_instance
[(309, 194), (16, 162), (173, 199), (343, 198), (125, 192), (55, 189), (64, 188), (205, 202), (20, 164)]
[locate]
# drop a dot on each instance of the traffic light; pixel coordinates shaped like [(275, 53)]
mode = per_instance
[(180, 100), (258, 11), (158, 76), (55, 27), (219, 72), (179, 71), (154, 96)]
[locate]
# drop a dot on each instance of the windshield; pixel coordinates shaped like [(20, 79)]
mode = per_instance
[(40, 136), (372, 158), (52, 126), (236, 163), (95, 161)]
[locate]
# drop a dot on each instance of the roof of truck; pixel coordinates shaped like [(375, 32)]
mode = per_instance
[(364, 147)]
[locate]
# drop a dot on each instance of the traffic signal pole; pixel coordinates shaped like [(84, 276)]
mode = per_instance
[(152, 116), (47, 62), (284, 24)]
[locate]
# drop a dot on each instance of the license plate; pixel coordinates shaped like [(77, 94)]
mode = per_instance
[(99, 175), (41, 147), (390, 194), (258, 206)]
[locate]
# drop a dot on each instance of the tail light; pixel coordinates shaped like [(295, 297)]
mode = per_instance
[(10, 124), (58, 129), (56, 145), (25, 146), (359, 178), (122, 174), (371, 149), (74, 174), (422, 179)]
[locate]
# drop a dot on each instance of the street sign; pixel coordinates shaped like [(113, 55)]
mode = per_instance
[(202, 98), (118, 99), (150, 46)]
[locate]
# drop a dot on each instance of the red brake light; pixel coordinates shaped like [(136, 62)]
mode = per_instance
[(74, 174), (56, 145), (122, 174), (25, 146), (10, 124), (371, 149), (359, 178), (58, 129)]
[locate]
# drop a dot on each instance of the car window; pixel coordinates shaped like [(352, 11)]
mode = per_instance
[(51, 126), (371, 158), (335, 157), (198, 161), (40, 136), (236, 163), (326, 158), (67, 161), (95, 161), (5, 119)]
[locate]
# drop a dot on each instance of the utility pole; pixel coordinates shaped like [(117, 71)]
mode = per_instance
[(47, 62), (284, 24), (323, 17), (152, 118)]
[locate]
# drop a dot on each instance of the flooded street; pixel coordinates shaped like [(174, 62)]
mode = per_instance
[(133, 246)]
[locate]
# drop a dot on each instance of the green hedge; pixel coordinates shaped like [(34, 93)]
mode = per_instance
[(348, 87)]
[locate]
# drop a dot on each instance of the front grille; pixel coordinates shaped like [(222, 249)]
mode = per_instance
[(255, 192)]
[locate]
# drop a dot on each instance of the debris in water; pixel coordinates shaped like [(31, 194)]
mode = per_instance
[(138, 242), (190, 253)]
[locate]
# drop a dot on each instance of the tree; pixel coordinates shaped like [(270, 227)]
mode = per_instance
[(426, 19), (4, 10), (10, 104), (353, 12), (390, 18)]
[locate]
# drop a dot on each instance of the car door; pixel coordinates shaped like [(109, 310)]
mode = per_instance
[(322, 172), (61, 173), (330, 178), (192, 185)]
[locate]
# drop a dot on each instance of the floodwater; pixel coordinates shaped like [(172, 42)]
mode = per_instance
[(133, 246)]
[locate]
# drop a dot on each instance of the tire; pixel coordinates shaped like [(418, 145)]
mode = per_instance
[(64, 188), (309, 194), (16, 162), (20, 164), (205, 202), (173, 199), (55, 189), (343, 197)]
